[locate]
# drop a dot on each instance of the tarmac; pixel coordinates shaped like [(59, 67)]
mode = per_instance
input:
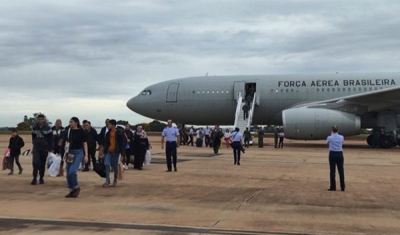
[(273, 191)]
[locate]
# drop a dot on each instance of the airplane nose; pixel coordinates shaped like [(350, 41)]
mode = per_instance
[(132, 104)]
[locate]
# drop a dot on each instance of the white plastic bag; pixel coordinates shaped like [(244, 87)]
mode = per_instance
[(54, 169), (147, 158), (50, 159)]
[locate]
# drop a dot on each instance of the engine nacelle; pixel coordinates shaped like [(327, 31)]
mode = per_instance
[(316, 123)]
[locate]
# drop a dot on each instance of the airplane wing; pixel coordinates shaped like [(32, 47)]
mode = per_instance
[(360, 103)]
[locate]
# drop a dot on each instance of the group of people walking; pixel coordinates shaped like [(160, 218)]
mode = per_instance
[(78, 145)]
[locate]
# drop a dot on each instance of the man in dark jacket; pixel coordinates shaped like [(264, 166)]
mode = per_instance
[(103, 132), (245, 111), (42, 139), (57, 135), (216, 136), (114, 145), (92, 139), (247, 137), (15, 145)]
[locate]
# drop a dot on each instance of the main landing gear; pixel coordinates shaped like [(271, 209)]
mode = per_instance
[(379, 139)]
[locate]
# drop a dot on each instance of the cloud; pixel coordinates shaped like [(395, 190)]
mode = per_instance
[(101, 53)]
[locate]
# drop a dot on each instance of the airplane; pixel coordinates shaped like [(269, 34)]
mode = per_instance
[(306, 105)]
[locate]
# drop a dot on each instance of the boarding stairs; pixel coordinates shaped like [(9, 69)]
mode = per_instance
[(239, 115)]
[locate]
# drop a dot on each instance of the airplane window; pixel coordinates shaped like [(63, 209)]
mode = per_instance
[(359, 89), (208, 92), (203, 92), (317, 89), (281, 90), (327, 89), (198, 92), (146, 92), (323, 89), (222, 92), (277, 91), (272, 90), (227, 92), (287, 90), (348, 89), (217, 92), (381, 88), (354, 89), (365, 89), (212, 92), (370, 88), (291, 90), (333, 89)]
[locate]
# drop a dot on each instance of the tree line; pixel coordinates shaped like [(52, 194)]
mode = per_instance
[(29, 122)]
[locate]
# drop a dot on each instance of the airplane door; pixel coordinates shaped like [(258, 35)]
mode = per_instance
[(238, 87), (172, 93)]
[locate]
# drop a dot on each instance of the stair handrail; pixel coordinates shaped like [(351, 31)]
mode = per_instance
[(238, 108), (251, 111)]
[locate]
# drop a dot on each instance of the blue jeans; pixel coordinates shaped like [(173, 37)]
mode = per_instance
[(111, 159), (72, 169)]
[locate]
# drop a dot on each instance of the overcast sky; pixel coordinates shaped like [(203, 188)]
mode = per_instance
[(87, 58)]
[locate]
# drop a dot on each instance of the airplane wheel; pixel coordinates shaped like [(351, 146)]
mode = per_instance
[(370, 140), (385, 141)]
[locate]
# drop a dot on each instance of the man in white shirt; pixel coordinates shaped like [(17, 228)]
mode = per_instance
[(236, 137), (191, 132), (207, 133)]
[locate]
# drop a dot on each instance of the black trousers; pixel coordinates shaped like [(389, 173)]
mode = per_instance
[(336, 159), (280, 142), (246, 142), (237, 147), (216, 144), (245, 115), (276, 142), (128, 153), (140, 154), (260, 142), (16, 158), (190, 140), (39, 162), (91, 157), (170, 151), (207, 140)]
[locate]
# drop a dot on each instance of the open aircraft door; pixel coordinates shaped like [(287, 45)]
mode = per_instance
[(238, 87), (172, 93)]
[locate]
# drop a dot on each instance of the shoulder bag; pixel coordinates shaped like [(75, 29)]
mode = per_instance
[(68, 157)]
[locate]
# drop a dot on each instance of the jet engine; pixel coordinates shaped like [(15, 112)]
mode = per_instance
[(316, 123)]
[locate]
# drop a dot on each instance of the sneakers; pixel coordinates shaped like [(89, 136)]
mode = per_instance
[(114, 183), (33, 182), (41, 181), (11, 173), (126, 167), (106, 184), (20, 171)]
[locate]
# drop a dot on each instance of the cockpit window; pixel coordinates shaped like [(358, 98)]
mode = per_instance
[(146, 92)]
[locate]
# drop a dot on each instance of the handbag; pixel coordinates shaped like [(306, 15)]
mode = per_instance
[(68, 157)]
